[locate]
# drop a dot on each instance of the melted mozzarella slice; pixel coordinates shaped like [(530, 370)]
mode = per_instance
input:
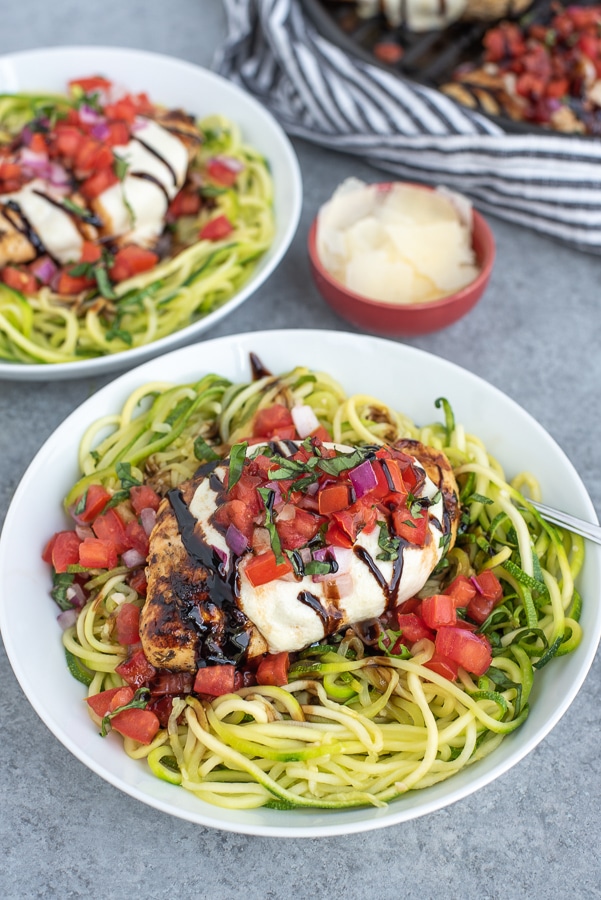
[(54, 227), (277, 609), (136, 207)]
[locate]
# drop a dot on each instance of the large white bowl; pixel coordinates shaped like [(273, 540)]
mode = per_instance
[(28, 615), (173, 83)]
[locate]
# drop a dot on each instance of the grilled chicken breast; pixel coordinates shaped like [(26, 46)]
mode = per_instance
[(202, 606)]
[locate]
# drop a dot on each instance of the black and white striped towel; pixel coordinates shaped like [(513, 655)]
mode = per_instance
[(318, 92)]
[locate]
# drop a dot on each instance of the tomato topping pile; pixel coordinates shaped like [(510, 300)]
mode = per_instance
[(73, 149), (316, 500), (549, 74)]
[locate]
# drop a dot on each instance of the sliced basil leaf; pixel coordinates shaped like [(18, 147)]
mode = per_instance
[(74, 208), (104, 285), (120, 167), (316, 567), (141, 698), (123, 470), (343, 462), (81, 504), (203, 451), (388, 544), (62, 581), (237, 457), (268, 497)]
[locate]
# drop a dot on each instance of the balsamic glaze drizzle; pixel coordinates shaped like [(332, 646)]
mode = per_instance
[(158, 156), (24, 226), (146, 176)]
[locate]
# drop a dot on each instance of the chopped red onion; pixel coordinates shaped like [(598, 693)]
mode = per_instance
[(148, 518), (220, 553), (476, 583), (344, 585), (89, 116), (67, 618), (363, 478), (26, 135), (57, 175), (305, 420), (305, 555), (234, 165), (100, 130), (286, 513), (341, 555), (132, 558), (34, 163), (235, 540), (44, 270), (139, 124), (75, 595), (312, 489), (84, 531)]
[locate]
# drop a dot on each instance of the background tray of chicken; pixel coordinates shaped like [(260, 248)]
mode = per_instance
[(526, 65)]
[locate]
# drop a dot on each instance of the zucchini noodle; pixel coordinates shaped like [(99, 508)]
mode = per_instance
[(199, 278), (354, 725)]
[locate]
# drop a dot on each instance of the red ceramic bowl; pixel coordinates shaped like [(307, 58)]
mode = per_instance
[(416, 318)]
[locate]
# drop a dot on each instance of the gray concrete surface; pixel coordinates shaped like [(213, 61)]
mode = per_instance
[(65, 833)]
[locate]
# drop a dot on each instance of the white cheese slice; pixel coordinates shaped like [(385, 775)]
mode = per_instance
[(136, 207), (285, 621), (54, 227)]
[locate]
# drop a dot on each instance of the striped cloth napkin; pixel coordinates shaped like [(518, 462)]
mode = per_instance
[(551, 183)]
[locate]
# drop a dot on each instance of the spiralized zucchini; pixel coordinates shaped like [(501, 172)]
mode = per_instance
[(198, 279), (354, 726)]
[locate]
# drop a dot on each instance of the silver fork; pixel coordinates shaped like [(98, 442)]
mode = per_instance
[(570, 523)]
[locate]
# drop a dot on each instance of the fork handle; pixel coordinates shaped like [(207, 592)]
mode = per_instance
[(571, 523)]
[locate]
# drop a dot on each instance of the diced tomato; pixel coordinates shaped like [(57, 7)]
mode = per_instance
[(137, 580), (9, 171), (471, 651), (90, 252), (215, 680), (127, 624), (65, 550), (118, 134), (220, 173), (101, 703), (413, 628), (216, 229), (358, 517), (96, 553), (124, 109), (485, 599), (38, 143), (393, 475), (411, 528), (172, 683), (136, 670), (439, 609), (298, 531), (93, 156), (47, 551), (110, 527), (186, 203), (273, 418), (91, 84), (273, 669), (444, 666), (99, 182), (68, 140), (143, 497), (409, 606), (333, 498), (137, 537), (123, 696), (132, 260), (263, 568), (19, 279), (236, 512), (73, 284), (337, 537), (140, 725), (96, 499), (322, 434), (461, 590)]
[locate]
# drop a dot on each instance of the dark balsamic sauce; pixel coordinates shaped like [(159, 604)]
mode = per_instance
[(391, 590), (89, 218), (146, 176), (158, 156), (257, 368), (21, 223), (329, 618), (220, 588)]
